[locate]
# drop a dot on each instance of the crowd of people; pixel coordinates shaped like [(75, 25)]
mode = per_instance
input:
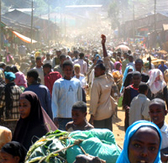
[(48, 92)]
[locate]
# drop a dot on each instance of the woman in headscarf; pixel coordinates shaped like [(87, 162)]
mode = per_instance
[(20, 79), (157, 86), (142, 143), (33, 122), (13, 152), (118, 66), (127, 70), (79, 76)]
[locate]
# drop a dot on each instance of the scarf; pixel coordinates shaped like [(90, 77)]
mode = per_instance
[(156, 81), (125, 75), (123, 158), (37, 118)]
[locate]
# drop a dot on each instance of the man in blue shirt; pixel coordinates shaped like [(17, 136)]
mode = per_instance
[(162, 67), (42, 91)]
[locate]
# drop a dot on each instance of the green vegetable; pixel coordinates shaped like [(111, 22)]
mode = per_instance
[(44, 149)]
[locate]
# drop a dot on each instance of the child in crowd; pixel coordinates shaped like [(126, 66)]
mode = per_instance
[(157, 112), (139, 108), (130, 92), (79, 112), (12, 152)]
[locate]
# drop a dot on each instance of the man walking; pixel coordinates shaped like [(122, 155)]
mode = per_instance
[(101, 101)]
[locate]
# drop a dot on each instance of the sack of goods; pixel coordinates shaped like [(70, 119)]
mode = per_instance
[(63, 147)]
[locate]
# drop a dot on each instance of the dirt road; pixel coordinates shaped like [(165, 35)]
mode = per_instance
[(118, 127)]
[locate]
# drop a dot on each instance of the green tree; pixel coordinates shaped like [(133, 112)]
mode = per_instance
[(41, 7)]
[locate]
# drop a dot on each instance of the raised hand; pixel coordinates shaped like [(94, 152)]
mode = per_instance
[(103, 39)]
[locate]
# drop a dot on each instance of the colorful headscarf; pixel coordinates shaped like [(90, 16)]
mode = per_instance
[(125, 75), (10, 76), (124, 158), (115, 64), (97, 56), (156, 81)]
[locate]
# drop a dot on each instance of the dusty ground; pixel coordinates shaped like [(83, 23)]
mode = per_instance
[(118, 125)]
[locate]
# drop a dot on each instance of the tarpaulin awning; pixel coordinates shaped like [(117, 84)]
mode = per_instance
[(24, 38)]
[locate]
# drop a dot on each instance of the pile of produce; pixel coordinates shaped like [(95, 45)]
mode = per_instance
[(63, 147), (49, 148)]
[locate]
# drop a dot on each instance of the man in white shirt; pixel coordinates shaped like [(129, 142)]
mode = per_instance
[(39, 69), (22, 50), (47, 59), (83, 64), (66, 91)]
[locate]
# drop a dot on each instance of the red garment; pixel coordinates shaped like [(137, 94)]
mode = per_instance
[(132, 86), (50, 79)]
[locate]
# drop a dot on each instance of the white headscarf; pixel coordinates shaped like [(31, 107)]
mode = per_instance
[(156, 81)]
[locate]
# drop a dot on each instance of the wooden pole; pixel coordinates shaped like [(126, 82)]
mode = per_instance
[(133, 22), (48, 25), (0, 28), (155, 16), (32, 25)]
